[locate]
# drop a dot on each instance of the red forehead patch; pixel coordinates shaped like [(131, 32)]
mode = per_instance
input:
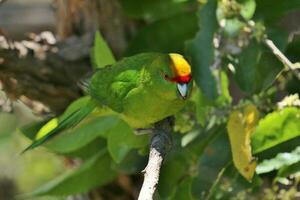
[(180, 79)]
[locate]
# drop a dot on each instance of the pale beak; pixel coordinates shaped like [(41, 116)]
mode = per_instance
[(182, 89)]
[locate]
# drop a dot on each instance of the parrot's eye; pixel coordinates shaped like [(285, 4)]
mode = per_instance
[(168, 78)]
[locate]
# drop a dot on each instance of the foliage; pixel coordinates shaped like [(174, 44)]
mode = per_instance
[(238, 79)]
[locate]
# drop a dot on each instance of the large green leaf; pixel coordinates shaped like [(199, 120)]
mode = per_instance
[(211, 164), (101, 53), (88, 150), (83, 134), (271, 10), (166, 35), (154, 9), (94, 172), (281, 160), (121, 140), (276, 128), (201, 50), (256, 68)]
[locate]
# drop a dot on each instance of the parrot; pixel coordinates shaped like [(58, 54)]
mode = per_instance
[(141, 89)]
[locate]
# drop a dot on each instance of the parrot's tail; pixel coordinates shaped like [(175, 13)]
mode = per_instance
[(67, 122)]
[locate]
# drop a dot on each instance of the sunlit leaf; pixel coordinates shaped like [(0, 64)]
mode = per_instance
[(240, 127), (52, 124), (276, 128), (281, 160), (101, 53)]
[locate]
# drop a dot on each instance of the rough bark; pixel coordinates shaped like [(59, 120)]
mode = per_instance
[(49, 81)]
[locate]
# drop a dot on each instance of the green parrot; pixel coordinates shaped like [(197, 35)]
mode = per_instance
[(141, 89)]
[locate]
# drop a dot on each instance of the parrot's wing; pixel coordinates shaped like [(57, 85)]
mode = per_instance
[(67, 122), (110, 85)]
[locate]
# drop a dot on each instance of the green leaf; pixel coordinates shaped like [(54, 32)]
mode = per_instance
[(256, 69), (215, 158), (276, 128), (166, 35), (121, 140), (271, 11), (94, 172), (83, 134), (224, 97), (247, 8), (171, 173), (75, 105), (154, 9), (281, 160), (101, 53), (30, 130), (183, 191), (289, 170), (88, 150), (201, 50), (133, 163)]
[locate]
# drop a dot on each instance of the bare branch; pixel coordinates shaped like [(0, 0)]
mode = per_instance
[(270, 44), (160, 145), (282, 57), (38, 76)]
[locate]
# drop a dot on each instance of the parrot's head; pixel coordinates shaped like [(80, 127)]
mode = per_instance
[(181, 73)]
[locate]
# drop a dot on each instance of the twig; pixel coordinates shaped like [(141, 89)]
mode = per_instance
[(160, 144), (270, 44), (281, 57)]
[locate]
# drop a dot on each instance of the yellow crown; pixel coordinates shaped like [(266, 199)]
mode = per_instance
[(179, 65)]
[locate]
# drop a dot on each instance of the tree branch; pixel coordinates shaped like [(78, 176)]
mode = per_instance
[(281, 57), (160, 145), (270, 44), (31, 72)]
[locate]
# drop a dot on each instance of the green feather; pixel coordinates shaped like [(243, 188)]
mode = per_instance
[(67, 122), (134, 88)]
